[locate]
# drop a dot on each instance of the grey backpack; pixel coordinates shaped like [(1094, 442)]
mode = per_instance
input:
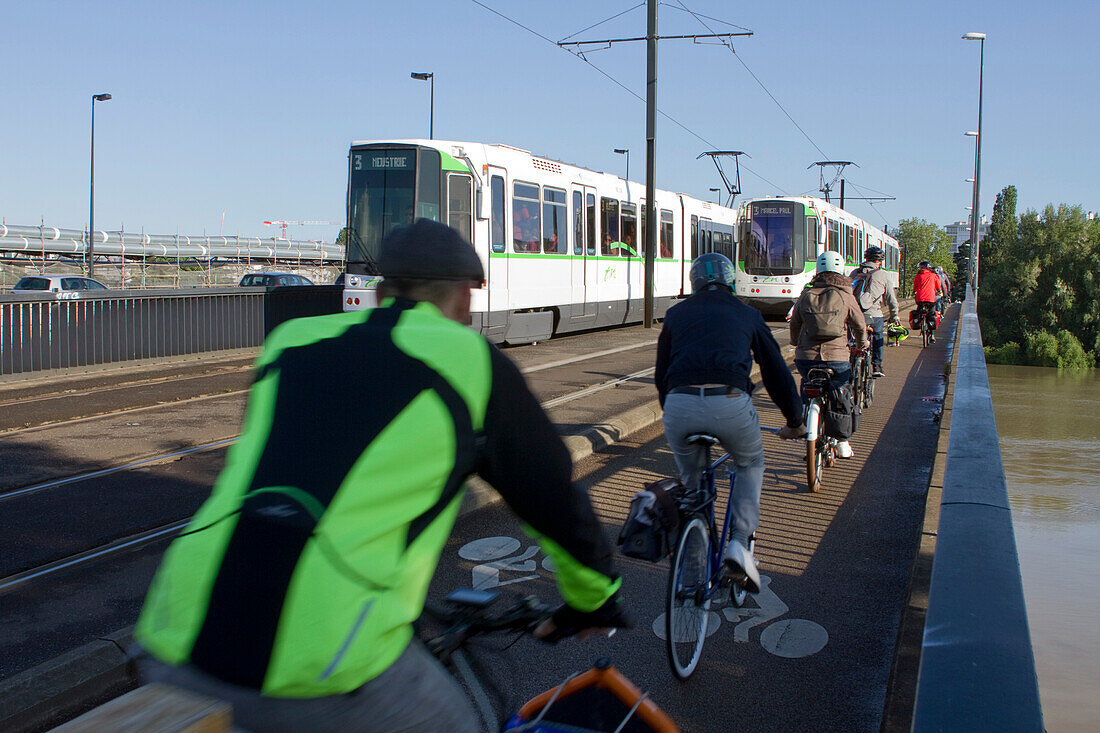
[(824, 313)]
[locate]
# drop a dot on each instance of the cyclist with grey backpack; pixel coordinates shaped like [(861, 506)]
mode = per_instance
[(820, 321), (871, 286)]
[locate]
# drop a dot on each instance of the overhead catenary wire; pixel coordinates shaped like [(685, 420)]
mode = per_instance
[(622, 86), (729, 45)]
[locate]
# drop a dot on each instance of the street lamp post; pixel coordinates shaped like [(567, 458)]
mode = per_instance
[(429, 76), (717, 198), (91, 188), (626, 152), (975, 220)]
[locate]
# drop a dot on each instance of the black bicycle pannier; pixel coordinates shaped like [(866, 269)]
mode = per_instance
[(653, 521), (841, 413)]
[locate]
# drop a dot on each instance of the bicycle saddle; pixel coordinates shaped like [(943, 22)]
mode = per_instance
[(702, 439)]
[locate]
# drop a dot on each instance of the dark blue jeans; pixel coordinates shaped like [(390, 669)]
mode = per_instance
[(842, 368), (878, 338)]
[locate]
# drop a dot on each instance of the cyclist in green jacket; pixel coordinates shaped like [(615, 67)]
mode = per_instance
[(293, 591)]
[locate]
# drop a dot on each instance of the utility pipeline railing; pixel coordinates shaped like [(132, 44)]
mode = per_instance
[(977, 670), (43, 240)]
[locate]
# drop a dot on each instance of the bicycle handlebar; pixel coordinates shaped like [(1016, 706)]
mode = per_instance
[(464, 622)]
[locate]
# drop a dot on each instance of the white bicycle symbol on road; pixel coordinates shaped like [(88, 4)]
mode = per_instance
[(790, 638)]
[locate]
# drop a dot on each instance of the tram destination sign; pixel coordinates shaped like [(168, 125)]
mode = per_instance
[(377, 160), (772, 209)]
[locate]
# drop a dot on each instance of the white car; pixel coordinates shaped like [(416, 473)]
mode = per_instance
[(57, 284)]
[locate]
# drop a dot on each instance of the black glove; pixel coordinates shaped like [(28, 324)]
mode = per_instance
[(569, 621)]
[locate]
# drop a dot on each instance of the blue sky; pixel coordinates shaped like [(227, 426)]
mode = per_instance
[(248, 108)]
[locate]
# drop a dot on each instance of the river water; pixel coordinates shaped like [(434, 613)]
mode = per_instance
[(1049, 427)]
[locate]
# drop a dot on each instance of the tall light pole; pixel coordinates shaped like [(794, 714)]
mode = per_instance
[(626, 152), (91, 187), (975, 215), (428, 76)]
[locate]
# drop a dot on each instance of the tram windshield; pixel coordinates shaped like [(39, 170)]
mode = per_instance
[(383, 193), (772, 240)]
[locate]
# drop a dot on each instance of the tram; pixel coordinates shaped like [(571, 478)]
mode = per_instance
[(563, 246), (780, 237)]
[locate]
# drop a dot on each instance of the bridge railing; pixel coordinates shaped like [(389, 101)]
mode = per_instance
[(977, 670), (42, 332)]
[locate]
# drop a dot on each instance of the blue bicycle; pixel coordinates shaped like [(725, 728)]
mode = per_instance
[(695, 576)]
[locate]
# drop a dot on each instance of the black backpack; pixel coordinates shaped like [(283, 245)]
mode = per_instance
[(841, 413), (653, 521), (861, 284)]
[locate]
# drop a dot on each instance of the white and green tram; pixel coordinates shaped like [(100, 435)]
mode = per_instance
[(563, 246), (780, 237)]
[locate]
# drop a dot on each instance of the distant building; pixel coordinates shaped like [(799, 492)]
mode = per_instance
[(960, 232)]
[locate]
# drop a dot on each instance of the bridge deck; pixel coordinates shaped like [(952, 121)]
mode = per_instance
[(836, 566)]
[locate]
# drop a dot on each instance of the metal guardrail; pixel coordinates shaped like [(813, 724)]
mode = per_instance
[(41, 332), (977, 670)]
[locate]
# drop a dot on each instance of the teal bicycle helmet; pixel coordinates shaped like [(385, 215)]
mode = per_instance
[(711, 269)]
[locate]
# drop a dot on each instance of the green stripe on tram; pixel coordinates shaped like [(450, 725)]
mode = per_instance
[(451, 163)]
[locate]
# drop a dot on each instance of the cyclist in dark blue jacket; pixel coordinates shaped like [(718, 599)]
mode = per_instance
[(704, 362)]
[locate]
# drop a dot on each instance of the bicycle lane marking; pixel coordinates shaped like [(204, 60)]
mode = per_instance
[(790, 638)]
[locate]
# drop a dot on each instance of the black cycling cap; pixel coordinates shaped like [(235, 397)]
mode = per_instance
[(428, 250)]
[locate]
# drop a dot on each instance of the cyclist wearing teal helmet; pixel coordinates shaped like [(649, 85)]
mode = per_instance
[(704, 360)]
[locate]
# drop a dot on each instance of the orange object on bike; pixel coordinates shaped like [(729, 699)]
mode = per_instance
[(600, 692)]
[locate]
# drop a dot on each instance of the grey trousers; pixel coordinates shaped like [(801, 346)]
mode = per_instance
[(733, 420), (415, 694)]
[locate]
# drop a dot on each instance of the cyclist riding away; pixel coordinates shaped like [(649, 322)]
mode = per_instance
[(823, 316), (926, 287), (875, 292), (945, 297), (293, 591), (704, 362)]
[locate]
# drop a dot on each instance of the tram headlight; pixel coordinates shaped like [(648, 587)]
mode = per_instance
[(353, 281)]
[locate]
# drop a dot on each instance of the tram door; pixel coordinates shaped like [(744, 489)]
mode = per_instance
[(583, 255), (497, 271)]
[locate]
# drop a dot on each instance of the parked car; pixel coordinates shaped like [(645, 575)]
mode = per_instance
[(56, 284), (272, 280)]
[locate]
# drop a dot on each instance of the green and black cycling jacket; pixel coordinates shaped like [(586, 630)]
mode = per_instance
[(302, 573)]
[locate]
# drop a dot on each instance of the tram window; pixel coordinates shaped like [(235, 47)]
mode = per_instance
[(578, 222), (427, 189), (609, 220), (641, 231), (811, 239), (497, 214), (590, 207), (833, 243), (694, 237), (849, 242), (459, 205), (630, 231), (555, 222), (666, 234), (525, 217), (859, 245)]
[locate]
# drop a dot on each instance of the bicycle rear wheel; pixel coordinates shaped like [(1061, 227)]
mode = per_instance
[(858, 381), (868, 382), (926, 333), (815, 456), (688, 603)]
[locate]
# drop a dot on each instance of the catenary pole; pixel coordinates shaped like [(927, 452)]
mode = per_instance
[(651, 243)]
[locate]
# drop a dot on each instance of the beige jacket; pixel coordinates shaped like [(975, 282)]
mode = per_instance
[(835, 349)]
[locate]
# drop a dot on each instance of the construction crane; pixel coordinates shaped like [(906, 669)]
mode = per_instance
[(284, 224)]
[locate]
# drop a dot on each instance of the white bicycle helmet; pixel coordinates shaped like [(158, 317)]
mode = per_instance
[(830, 262)]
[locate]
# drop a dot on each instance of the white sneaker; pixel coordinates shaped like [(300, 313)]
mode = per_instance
[(740, 565), (843, 449)]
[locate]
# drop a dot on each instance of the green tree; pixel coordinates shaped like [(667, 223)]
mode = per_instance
[(1039, 285), (921, 240)]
